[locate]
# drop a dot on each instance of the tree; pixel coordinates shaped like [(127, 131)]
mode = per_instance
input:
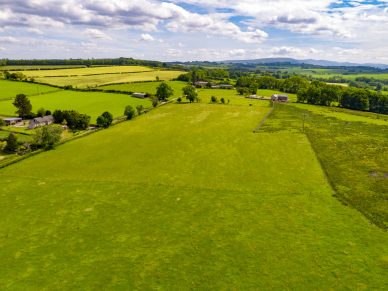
[(58, 116), (23, 105), (105, 120), (12, 144), (222, 100), (179, 100), (164, 91), (213, 99), (48, 136), (139, 109), (129, 112), (190, 93), (2, 122), (41, 112), (155, 101)]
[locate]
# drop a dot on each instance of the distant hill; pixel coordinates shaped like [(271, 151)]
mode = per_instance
[(291, 61)]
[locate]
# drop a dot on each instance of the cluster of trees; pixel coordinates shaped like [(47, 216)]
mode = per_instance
[(214, 99), (83, 62), (347, 97), (250, 84), (190, 93), (203, 74), (73, 119), (17, 76), (105, 120)]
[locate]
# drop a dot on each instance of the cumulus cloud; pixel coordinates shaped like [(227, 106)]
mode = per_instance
[(146, 37), (284, 50), (96, 34), (8, 39)]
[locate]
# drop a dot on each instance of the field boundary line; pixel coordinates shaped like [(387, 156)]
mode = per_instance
[(257, 129)]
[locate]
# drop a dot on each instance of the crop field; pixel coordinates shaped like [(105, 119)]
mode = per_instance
[(91, 103), (104, 79), (350, 76), (185, 197), (9, 89), (86, 71)]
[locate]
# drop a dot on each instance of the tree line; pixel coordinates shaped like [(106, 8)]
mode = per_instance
[(317, 92)]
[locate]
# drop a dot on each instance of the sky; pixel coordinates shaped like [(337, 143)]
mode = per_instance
[(190, 30)]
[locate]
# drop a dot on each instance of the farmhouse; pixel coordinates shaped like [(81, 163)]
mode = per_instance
[(12, 121), (40, 121), (139, 95), (226, 86), (279, 97)]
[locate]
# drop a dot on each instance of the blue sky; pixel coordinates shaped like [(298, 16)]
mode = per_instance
[(195, 29)]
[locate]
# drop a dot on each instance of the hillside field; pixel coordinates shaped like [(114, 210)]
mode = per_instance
[(9, 89), (86, 71), (109, 78), (91, 103), (185, 197)]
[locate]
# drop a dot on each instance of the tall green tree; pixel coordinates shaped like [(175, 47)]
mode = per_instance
[(164, 91), (129, 112), (12, 144), (23, 105), (190, 93)]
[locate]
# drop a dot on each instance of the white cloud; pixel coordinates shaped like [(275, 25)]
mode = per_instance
[(35, 31), (2, 49), (8, 39), (96, 34), (146, 37)]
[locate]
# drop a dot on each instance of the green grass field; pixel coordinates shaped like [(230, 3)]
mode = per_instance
[(40, 67), (146, 87), (86, 71), (91, 103), (104, 79), (353, 149), (184, 197), (9, 89)]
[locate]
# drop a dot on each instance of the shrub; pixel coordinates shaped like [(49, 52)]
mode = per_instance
[(41, 112), (139, 109), (213, 99), (12, 144), (2, 122), (48, 136), (179, 100), (129, 112), (222, 100)]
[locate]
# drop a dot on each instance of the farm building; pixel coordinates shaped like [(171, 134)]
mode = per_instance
[(201, 83), (139, 95), (279, 97), (12, 121), (40, 121)]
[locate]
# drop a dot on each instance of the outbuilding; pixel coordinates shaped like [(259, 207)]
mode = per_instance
[(279, 97), (139, 95), (12, 121)]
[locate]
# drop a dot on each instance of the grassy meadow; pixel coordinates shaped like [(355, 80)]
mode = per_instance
[(91, 103), (185, 197), (86, 71), (146, 87), (9, 89), (104, 79), (353, 150)]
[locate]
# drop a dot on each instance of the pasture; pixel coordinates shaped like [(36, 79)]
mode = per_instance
[(353, 150), (86, 71), (109, 78), (9, 89), (91, 103), (146, 87), (185, 197)]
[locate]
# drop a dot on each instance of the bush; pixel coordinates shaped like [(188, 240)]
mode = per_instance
[(213, 99), (129, 112), (41, 112), (139, 109), (179, 100), (48, 136), (2, 122), (105, 120), (155, 101), (12, 144), (222, 100)]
